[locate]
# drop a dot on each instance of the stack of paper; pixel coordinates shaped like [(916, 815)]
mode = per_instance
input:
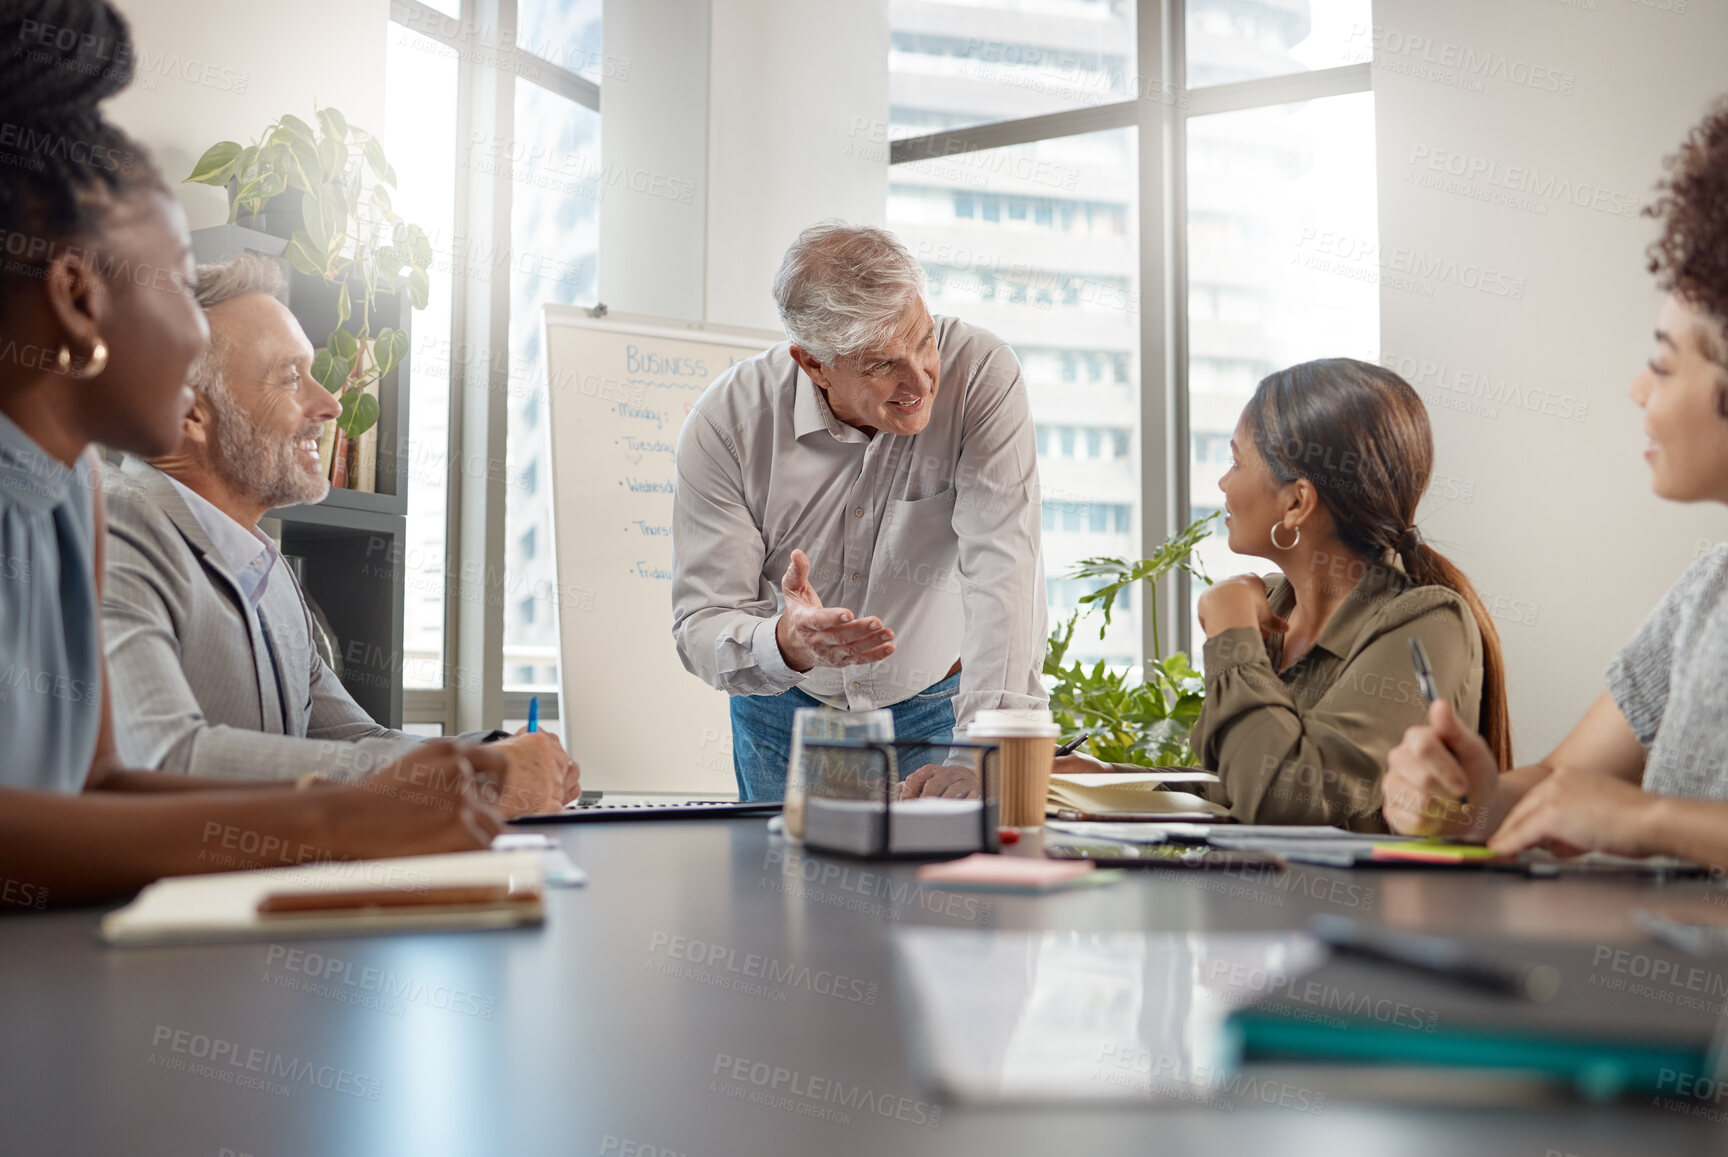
[(1129, 793)]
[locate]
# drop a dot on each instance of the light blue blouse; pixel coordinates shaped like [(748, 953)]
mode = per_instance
[(50, 657)]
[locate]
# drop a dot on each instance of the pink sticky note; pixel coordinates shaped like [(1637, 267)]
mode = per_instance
[(1005, 873)]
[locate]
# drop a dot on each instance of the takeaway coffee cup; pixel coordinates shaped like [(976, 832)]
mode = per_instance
[(1026, 741)]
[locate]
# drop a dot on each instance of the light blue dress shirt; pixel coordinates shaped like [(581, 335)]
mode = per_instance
[(50, 652)]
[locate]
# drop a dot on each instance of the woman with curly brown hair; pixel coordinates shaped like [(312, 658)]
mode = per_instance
[(1646, 770)]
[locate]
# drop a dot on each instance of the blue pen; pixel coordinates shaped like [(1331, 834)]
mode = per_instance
[(533, 713)]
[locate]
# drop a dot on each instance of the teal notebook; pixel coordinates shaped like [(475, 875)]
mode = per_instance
[(1610, 1030)]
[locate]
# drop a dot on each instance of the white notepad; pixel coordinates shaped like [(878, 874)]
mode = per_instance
[(1130, 792), (224, 906)]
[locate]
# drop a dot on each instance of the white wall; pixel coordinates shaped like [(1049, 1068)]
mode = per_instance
[(776, 109), (653, 128), (1551, 515), (212, 70), (797, 131)]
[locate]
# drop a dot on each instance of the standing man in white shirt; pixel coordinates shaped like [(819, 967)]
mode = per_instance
[(856, 521)]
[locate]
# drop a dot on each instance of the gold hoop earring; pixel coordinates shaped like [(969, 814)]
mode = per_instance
[(1276, 526), (63, 362), (95, 363)]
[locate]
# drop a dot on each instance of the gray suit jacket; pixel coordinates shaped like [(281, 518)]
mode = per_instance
[(189, 668)]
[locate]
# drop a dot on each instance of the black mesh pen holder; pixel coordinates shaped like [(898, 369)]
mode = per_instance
[(851, 785)]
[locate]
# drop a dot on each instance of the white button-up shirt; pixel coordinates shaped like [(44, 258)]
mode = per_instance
[(248, 554), (936, 533)]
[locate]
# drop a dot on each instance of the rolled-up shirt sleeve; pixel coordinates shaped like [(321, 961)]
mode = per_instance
[(724, 611), (997, 521)]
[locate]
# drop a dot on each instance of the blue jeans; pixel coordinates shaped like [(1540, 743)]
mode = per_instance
[(762, 733)]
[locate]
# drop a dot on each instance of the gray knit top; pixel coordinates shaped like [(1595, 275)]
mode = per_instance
[(1671, 683)]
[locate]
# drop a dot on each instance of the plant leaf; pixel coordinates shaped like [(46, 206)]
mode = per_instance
[(398, 347), (307, 171), (359, 413), (344, 307), (317, 233), (419, 247), (339, 371), (335, 214), (216, 166), (344, 345), (301, 257), (323, 371), (332, 158), (298, 128), (419, 288), (334, 124), (246, 164), (384, 350), (381, 169)]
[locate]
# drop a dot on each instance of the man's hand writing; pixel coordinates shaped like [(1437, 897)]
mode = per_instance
[(812, 635)]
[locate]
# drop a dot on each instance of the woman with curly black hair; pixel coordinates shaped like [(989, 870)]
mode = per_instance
[(1646, 770), (98, 328)]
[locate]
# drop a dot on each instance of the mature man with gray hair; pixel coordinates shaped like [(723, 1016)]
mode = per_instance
[(209, 641), (856, 520)]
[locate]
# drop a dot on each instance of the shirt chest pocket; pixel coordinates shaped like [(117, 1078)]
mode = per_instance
[(918, 546)]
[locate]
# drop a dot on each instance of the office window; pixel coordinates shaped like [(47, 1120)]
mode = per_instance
[(1231, 40), (419, 115), (567, 33), (951, 65), (555, 224), (1294, 152), (1303, 249), (547, 145)]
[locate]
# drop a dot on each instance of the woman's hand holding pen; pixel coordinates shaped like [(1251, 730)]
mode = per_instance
[(1432, 771)]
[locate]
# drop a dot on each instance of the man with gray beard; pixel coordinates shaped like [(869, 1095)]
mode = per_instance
[(209, 641)]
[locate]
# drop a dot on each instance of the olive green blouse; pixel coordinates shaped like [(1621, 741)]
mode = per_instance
[(1308, 745)]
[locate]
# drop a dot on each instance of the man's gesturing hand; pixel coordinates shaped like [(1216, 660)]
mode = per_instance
[(812, 635)]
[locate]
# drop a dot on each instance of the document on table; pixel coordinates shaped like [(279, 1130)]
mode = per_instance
[(1087, 1016)]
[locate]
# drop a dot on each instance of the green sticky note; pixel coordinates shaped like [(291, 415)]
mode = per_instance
[(1435, 852)]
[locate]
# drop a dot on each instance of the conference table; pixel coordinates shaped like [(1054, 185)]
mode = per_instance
[(640, 1021)]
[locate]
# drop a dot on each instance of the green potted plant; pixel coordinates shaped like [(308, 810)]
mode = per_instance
[(1145, 721), (345, 232)]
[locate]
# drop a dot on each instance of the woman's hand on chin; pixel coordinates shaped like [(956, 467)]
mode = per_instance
[(1238, 601)]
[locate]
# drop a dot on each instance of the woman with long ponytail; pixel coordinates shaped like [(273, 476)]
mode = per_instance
[(1309, 678)]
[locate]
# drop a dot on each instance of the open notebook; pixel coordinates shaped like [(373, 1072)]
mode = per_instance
[(224, 906), (1119, 794)]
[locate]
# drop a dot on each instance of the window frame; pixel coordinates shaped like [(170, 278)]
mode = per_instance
[(1160, 112), (473, 696)]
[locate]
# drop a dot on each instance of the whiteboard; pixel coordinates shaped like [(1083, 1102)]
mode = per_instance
[(619, 388)]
